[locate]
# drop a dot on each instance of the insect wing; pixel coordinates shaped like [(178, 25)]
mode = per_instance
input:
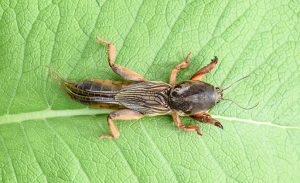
[(146, 97)]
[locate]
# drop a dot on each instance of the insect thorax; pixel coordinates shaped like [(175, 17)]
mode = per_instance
[(190, 97)]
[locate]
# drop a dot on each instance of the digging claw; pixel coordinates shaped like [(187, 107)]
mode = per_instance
[(218, 124), (214, 60)]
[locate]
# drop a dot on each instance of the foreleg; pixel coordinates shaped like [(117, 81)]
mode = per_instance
[(204, 70), (207, 118)]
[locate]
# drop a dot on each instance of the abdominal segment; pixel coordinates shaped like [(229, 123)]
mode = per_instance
[(95, 92)]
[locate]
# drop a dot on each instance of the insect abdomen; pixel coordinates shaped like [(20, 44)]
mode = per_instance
[(101, 85), (93, 92)]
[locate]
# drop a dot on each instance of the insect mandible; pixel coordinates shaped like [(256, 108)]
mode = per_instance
[(138, 97)]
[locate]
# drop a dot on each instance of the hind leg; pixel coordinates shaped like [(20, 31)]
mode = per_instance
[(124, 114), (122, 71)]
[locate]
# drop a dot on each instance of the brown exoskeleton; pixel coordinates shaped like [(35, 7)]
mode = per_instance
[(139, 97)]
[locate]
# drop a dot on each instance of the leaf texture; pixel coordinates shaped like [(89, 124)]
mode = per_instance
[(46, 137)]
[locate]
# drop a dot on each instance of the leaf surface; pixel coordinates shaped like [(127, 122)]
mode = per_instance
[(47, 137)]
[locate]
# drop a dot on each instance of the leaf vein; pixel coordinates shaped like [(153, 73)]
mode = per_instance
[(31, 150), (167, 37), (9, 158), (162, 157), (70, 150), (48, 113), (125, 159)]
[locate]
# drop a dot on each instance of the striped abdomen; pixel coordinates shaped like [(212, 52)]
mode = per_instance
[(95, 92)]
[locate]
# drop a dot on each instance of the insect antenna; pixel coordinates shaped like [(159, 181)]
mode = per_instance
[(245, 108), (236, 82)]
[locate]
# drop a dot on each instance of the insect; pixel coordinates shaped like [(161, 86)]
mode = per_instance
[(138, 97)]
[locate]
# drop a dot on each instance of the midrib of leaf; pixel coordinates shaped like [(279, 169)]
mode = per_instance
[(49, 113), (250, 121)]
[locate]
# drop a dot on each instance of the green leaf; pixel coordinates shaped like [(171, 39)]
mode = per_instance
[(47, 137)]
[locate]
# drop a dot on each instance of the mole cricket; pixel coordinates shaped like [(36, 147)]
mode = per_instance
[(138, 97)]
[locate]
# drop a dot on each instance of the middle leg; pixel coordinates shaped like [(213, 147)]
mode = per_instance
[(184, 64)]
